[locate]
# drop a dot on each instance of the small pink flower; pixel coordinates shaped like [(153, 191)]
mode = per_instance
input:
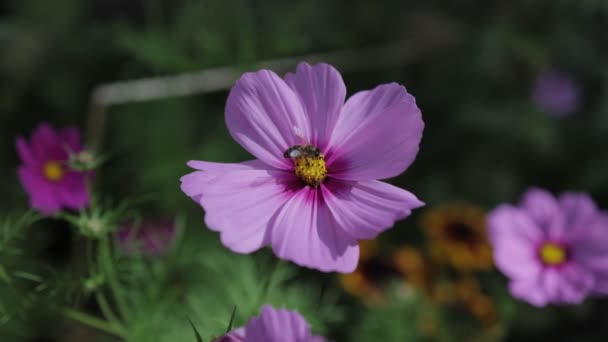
[(554, 250), (313, 190), (273, 326), (45, 174), (150, 237)]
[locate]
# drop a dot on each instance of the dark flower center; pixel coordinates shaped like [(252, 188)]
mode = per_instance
[(462, 232)]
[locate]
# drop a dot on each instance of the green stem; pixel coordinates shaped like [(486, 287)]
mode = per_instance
[(93, 322), (105, 260), (106, 310)]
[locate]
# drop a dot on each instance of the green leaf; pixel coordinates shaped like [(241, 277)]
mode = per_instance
[(196, 333), (231, 320)]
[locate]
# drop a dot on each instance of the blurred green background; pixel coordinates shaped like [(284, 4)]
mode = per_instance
[(471, 65)]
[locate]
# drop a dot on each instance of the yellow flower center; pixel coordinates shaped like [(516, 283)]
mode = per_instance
[(53, 171), (311, 169), (553, 254)]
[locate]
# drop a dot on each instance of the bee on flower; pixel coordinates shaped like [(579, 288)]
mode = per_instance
[(313, 190)]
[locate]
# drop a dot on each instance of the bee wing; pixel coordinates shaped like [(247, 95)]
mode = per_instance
[(295, 153)]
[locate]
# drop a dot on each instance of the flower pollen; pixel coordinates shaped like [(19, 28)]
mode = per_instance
[(311, 169), (553, 254), (53, 171)]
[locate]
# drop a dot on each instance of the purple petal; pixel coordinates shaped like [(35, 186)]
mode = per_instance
[(529, 290), (365, 209), (305, 232), (579, 210), (600, 285), (277, 326), (264, 115), (514, 237), (25, 153), (46, 143), (377, 135), (567, 284), (322, 92), (545, 211), (589, 248), (41, 194), (239, 200), (73, 190), (70, 137)]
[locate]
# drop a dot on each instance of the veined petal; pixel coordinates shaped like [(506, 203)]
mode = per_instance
[(529, 290), (589, 247), (239, 200), (277, 325), (322, 92), (543, 208), (376, 136), (515, 238), (305, 232), (579, 210), (265, 116), (365, 209)]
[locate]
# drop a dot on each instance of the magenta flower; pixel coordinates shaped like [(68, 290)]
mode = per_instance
[(556, 94), (273, 326), (553, 250), (313, 190), (45, 174), (150, 237)]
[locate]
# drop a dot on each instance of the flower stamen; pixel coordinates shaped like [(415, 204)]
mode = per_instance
[(53, 171), (553, 254), (309, 163)]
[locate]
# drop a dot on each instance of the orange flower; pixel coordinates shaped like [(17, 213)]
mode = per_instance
[(467, 294), (415, 268), (457, 236), (367, 280)]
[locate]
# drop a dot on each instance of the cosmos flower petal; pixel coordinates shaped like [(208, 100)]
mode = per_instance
[(578, 208), (529, 290), (544, 210), (72, 193), (45, 200), (600, 285), (567, 285), (276, 325), (25, 153), (71, 138), (47, 143), (512, 233), (508, 222), (322, 92), (366, 209), (265, 116), (590, 247), (575, 284), (377, 135), (239, 200), (42, 196), (305, 232)]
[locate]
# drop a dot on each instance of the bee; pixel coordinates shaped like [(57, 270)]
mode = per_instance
[(297, 151)]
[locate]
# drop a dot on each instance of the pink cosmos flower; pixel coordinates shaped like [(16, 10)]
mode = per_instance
[(44, 172), (312, 192), (150, 237), (273, 326), (553, 250)]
